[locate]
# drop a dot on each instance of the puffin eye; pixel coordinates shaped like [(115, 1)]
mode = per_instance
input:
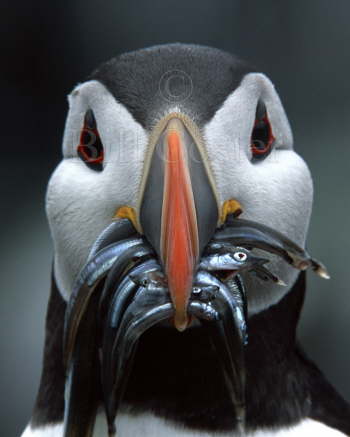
[(240, 256), (262, 137), (90, 148)]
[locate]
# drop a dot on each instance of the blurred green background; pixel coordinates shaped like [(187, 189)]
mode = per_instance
[(48, 47)]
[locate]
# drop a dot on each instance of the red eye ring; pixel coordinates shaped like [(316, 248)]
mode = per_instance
[(85, 150), (90, 148), (267, 140)]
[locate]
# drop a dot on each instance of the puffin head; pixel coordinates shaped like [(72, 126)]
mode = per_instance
[(174, 138)]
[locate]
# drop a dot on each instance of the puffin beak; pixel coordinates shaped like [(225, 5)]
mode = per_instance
[(178, 212)]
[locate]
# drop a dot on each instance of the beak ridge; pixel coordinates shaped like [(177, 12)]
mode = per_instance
[(179, 233), (179, 211)]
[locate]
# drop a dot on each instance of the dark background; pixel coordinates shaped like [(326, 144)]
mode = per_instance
[(49, 47)]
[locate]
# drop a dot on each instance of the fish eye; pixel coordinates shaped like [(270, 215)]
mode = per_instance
[(262, 138), (90, 148), (240, 256)]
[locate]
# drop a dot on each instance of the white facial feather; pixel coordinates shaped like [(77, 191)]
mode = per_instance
[(82, 202), (147, 425), (276, 191)]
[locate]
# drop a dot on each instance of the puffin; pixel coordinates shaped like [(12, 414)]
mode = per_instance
[(223, 123)]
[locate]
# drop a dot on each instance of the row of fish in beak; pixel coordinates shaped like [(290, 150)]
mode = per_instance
[(122, 292)]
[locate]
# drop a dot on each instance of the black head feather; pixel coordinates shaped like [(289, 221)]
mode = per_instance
[(150, 82)]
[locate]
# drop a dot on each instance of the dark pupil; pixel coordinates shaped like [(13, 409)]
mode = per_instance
[(90, 148), (261, 135), (87, 139), (91, 141)]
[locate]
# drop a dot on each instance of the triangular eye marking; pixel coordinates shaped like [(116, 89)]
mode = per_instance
[(262, 138), (90, 147)]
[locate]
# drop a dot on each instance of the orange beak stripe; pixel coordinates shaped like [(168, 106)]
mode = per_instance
[(179, 234)]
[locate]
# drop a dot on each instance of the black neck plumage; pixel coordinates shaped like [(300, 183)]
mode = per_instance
[(178, 377)]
